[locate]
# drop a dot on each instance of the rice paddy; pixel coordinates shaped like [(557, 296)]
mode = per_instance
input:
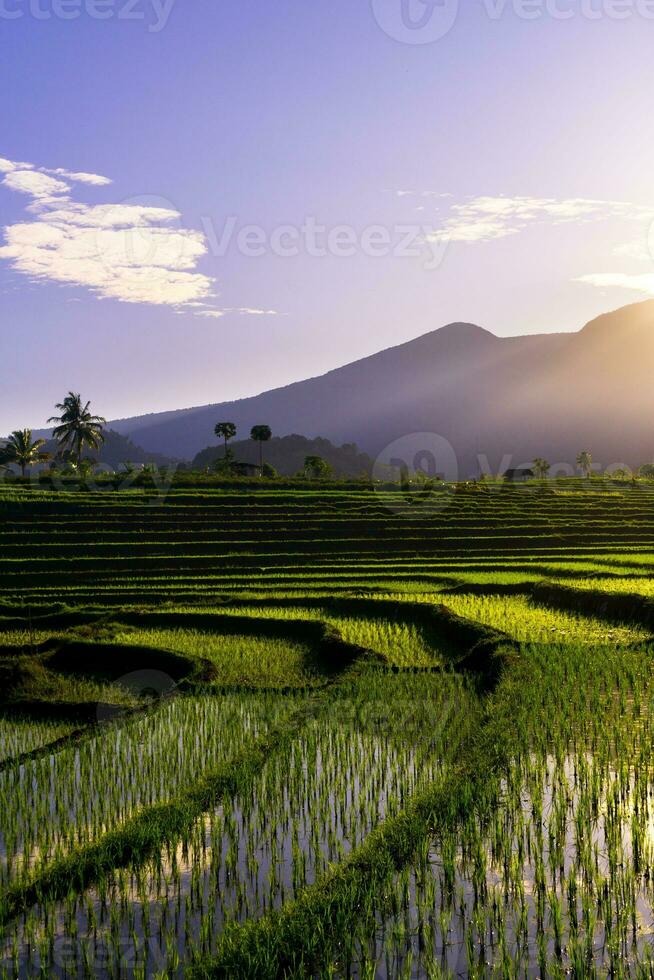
[(238, 660), (20, 735), (265, 733)]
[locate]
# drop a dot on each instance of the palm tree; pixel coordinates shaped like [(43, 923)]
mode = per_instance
[(77, 427), (541, 467), (20, 450), (585, 462), (225, 430), (260, 434)]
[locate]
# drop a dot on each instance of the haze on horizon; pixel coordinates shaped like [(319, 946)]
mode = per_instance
[(203, 204)]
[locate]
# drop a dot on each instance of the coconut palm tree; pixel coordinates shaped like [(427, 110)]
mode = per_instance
[(21, 451), (541, 467), (226, 431), (585, 462), (76, 426), (260, 434)]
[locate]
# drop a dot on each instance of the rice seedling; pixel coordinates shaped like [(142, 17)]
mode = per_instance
[(530, 623), (239, 660), (634, 585), (54, 804), (382, 738), (557, 876), (413, 823), (22, 734), (280, 662), (22, 639)]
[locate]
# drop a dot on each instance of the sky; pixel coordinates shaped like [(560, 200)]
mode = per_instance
[(200, 201)]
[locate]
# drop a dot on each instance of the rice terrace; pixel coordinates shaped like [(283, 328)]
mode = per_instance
[(259, 729)]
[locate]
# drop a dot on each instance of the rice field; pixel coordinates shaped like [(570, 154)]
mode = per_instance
[(238, 660), (21, 734), (270, 733)]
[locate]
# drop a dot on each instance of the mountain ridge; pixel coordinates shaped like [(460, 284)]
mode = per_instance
[(520, 396)]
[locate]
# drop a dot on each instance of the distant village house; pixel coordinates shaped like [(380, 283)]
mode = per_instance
[(519, 475)]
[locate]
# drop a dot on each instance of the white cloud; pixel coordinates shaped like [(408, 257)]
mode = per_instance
[(239, 310), (638, 250), (484, 219), (135, 253), (422, 194), (472, 231), (126, 216), (96, 179), (37, 185), (248, 311), (8, 165), (643, 283)]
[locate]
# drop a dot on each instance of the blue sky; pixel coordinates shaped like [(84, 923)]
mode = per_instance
[(500, 173)]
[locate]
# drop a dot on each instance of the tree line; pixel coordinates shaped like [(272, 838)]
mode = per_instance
[(77, 429), (314, 466), (541, 467)]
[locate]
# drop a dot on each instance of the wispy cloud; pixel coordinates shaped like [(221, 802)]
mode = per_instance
[(485, 219), (81, 178), (43, 188), (638, 250), (238, 310), (9, 166), (641, 283), (434, 194), (130, 252)]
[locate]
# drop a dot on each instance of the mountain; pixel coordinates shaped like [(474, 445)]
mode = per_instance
[(115, 450), (549, 395), (287, 454)]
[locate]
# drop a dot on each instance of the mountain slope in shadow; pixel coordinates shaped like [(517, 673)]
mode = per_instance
[(548, 395)]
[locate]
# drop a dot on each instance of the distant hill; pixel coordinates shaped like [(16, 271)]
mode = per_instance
[(116, 450), (548, 395), (287, 454)]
